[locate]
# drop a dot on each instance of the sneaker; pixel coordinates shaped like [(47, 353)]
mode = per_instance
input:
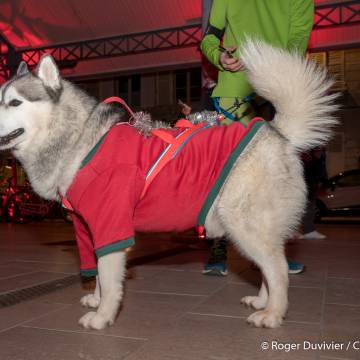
[(313, 235), (216, 265), (295, 267)]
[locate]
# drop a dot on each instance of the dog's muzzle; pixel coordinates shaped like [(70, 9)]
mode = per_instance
[(4, 140)]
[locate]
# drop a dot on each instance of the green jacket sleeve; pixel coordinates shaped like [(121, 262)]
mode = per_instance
[(210, 43), (301, 23)]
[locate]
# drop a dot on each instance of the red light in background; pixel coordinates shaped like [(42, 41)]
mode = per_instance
[(201, 234)]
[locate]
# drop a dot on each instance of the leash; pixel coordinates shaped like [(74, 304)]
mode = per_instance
[(121, 101)]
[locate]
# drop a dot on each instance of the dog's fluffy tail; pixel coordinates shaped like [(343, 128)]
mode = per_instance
[(297, 87)]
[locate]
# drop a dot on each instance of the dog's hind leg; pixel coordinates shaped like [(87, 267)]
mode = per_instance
[(92, 300), (270, 258), (111, 270), (275, 270)]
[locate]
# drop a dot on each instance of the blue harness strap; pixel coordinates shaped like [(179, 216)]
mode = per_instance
[(226, 112), (221, 110)]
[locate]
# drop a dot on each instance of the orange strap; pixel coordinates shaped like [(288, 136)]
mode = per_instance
[(120, 101), (65, 203), (169, 138), (175, 144), (163, 135), (185, 123)]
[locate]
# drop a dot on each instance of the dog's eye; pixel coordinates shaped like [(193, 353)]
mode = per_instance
[(15, 102)]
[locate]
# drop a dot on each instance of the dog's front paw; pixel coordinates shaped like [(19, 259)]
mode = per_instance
[(90, 300), (265, 318), (254, 301), (93, 320)]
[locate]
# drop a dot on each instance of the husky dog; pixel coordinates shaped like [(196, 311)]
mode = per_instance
[(50, 125)]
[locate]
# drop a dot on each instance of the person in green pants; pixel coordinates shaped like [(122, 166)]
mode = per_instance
[(282, 23)]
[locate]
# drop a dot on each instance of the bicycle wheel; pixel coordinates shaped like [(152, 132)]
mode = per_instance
[(17, 207)]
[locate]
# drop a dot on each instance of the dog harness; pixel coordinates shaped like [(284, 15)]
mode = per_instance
[(124, 186), (229, 113)]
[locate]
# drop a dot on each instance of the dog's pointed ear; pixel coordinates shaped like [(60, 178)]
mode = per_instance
[(22, 69), (48, 72)]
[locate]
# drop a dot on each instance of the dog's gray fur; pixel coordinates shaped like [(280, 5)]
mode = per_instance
[(258, 207)]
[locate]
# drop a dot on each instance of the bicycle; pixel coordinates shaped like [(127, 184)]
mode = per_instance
[(21, 205), (24, 206)]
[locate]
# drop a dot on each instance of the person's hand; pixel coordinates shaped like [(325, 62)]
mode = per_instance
[(230, 63), (185, 109)]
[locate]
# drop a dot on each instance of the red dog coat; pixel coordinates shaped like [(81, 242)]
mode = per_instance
[(106, 192)]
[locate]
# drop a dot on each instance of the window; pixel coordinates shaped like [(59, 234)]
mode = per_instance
[(135, 90), (130, 89), (124, 87), (195, 84), (91, 87), (188, 85), (181, 88)]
